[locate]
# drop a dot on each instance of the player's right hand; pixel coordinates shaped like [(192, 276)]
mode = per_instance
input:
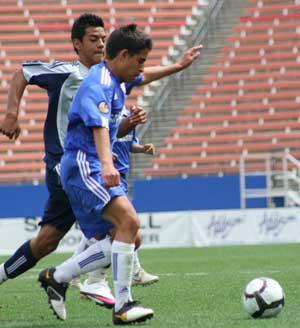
[(110, 176), (10, 127), (138, 115)]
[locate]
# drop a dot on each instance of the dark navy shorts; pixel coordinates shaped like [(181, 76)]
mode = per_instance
[(58, 211)]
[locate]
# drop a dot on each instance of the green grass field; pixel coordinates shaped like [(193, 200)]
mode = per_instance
[(198, 287)]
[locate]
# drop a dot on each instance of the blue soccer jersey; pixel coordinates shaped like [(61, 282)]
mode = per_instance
[(98, 103)]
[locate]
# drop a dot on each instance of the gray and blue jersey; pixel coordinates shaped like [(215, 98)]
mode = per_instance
[(61, 80)]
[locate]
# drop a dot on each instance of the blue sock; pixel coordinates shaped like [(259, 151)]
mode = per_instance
[(20, 262)]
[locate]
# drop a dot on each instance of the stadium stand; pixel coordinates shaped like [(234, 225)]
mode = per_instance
[(31, 30), (247, 103)]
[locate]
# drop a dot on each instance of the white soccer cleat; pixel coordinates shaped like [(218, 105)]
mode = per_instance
[(3, 276), (98, 292), (131, 313), (59, 308), (56, 292), (144, 278)]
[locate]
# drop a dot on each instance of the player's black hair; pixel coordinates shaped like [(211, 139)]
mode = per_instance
[(128, 37), (82, 23)]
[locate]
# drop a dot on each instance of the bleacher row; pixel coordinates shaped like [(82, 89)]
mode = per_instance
[(248, 103), (34, 30)]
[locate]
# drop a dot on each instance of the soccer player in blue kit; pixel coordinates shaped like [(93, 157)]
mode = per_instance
[(90, 179), (122, 148), (61, 80)]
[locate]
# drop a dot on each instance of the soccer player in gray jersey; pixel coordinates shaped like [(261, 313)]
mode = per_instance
[(61, 80)]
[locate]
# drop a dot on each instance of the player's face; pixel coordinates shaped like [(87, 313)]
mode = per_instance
[(133, 65), (91, 48)]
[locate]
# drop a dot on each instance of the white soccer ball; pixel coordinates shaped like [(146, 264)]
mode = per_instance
[(263, 298)]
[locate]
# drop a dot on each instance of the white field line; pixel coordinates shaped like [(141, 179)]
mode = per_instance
[(179, 274)]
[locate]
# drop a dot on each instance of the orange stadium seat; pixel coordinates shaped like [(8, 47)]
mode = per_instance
[(248, 117), (261, 38), (267, 48), (258, 76), (16, 177), (268, 67), (274, 9), (22, 166), (231, 138), (238, 127), (187, 170)]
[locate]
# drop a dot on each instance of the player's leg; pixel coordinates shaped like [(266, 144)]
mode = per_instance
[(56, 221), (76, 282), (122, 214), (95, 287), (28, 254), (140, 276), (55, 280)]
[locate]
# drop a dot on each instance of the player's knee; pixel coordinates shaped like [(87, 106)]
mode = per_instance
[(130, 223)]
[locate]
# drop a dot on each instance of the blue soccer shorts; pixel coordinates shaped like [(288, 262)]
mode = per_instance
[(84, 187)]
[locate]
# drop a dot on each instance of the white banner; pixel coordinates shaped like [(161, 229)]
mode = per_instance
[(181, 229)]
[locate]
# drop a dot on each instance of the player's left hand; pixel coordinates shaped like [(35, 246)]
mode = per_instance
[(10, 127), (138, 115), (149, 149), (190, 55)]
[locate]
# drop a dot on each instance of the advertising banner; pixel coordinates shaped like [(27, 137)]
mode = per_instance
[(180, 229)]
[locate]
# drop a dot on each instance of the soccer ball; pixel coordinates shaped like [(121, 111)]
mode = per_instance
[(263, 298)]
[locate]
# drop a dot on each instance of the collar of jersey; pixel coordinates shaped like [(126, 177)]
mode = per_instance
[(111, 73), (82, 68)]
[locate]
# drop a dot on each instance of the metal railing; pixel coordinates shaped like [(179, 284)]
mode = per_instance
[(282, 178)]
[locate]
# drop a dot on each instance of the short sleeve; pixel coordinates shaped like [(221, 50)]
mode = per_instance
[(47, 75), (95, 106)]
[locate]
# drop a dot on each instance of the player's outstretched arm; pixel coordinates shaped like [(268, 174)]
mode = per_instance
[(157, 72), (10, 125)]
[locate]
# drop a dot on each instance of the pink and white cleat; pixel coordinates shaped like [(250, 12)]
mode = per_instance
[(98, 292)]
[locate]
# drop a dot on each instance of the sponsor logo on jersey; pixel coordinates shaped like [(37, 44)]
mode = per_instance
[(103, 108)]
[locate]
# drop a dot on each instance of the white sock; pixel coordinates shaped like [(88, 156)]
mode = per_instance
[(122, 267), (96, 256), (136, 263), (3, 275)]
